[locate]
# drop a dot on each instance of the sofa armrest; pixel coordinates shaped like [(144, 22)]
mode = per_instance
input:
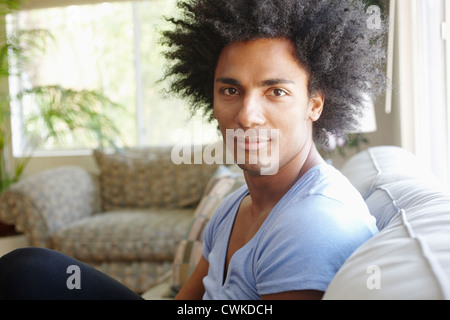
[(43, 203)]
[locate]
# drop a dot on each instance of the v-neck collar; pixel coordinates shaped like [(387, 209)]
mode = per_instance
[(274, 212)]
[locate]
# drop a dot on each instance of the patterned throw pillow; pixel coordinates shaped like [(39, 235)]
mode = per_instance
[(189, 251), (147, 178)]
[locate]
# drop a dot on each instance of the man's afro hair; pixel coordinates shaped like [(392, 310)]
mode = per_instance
[(332, 39)]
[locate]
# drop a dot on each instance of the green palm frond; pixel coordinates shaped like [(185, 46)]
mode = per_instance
[(64, 112)]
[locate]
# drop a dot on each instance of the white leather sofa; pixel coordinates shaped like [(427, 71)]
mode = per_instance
[(410, 257)]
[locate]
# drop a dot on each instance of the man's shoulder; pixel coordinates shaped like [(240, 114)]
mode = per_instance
[(326, 200)]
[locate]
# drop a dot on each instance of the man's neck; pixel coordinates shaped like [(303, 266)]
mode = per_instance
[(267, 190)]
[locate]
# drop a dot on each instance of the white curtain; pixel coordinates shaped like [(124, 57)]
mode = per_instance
[(419, 99)]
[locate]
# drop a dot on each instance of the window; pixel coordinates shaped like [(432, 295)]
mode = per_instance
[(432, 122), (110, 47), (421, 81), (446, 31)]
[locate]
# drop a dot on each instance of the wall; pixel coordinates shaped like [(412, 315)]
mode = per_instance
[(40, 163)]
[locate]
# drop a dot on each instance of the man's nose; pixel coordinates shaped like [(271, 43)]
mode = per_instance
[(251, 113)]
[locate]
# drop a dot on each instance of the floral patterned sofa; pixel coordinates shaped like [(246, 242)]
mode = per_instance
[(126, 221)]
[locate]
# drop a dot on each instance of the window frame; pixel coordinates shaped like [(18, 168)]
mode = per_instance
[(143, 129), (43, 160), (48, 4)]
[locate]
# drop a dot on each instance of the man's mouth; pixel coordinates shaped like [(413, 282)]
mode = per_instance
[(252, 143)]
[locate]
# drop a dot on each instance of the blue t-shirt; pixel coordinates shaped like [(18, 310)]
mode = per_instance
[(301, 245)]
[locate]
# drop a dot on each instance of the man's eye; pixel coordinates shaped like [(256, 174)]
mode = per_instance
[(278, 93), (230, 91)]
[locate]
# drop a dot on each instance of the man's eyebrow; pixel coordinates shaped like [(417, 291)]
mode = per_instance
[(230, 81), (273, 82)]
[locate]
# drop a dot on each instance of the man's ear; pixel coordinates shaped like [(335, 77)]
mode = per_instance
[(316, 103)]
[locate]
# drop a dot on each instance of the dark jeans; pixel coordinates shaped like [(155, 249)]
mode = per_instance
[(38, 273)]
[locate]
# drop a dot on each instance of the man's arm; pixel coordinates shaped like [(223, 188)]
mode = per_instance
[(295, 295), (194, 289)]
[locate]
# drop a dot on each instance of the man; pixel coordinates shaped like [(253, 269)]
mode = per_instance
[(280, 75), (296, 69)]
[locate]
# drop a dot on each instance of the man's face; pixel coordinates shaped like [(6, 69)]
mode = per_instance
[(261, 94)]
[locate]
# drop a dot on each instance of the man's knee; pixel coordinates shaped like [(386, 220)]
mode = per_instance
[(23, 258), (21, 269)]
